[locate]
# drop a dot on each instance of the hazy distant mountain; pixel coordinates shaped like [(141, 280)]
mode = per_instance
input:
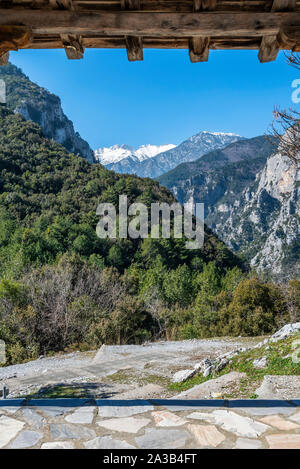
[(152, 161)]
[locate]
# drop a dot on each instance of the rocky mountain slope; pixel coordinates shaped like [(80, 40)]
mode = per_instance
[(44, 108), (127, 157), (219, 177), (168, 158), (251, 198), (264, 223)]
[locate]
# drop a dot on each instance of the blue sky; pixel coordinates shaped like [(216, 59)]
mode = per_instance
[(165, 98)]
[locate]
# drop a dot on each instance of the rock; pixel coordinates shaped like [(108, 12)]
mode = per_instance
[(283, 441), (203, 390), (125, 424), (246, 443), (62, 431), (280, 423), (267, 410), (260, 363), (285, 331), (206, 435), (221, 364), (108, 409), (26, 439), (165, 418), (183, 375), (9, 428), (163, 439), (266, 390), (201, 416), (84, 415), (55, 411), (100, 354), (58, 445), (296, 417), (208, 371), (242, 426), (33, 419), (198, 366), (107, 442)]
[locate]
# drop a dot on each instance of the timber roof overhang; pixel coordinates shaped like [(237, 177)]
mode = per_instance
[(195, 25)]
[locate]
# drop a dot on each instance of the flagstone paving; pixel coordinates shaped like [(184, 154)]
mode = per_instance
[(153, 424)]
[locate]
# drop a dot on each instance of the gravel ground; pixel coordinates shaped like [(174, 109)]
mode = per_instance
[(115, 370)]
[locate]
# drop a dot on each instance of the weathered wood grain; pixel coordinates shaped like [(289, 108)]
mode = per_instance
[(73, 46), (134, 46), (14, 37), (4, 58), (218, 24), (269, 49), (199, 49), (284, 5)]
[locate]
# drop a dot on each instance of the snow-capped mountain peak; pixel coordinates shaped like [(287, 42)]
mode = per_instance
[(154, 160), (116, 153)]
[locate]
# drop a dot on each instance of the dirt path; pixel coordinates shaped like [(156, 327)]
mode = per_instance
[(128, 371)]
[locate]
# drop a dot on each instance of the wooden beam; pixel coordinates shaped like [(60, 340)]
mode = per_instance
[(269, 49), (62, 4), (205, 5), (199, 49), (73, 46), (14, 37), (130, 4), (138, 23), (134, 46), (284, 5), (4, 58)]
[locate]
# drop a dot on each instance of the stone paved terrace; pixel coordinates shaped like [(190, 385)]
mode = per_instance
[(151, 424)]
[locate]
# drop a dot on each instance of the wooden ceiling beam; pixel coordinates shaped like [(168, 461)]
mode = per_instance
[(284, 5), (204, 5), (269, 49), (13, 37), (134, 47), (4, 58), (130, 4), (73, 46), (199, 49), (151, 24), (61, 4)]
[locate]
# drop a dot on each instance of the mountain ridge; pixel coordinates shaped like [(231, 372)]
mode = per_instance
[(44, 108), (189, 150)]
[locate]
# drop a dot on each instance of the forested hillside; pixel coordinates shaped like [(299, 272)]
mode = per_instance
[(64, 288)]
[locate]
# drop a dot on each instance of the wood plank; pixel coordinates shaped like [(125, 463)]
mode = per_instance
[(134, 46), (284, 5), (14, 37), (269, 49), (130, 4), (73, 46), (151, 24), (199, 49), (4, 58), (62, 4), (205, 5)]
